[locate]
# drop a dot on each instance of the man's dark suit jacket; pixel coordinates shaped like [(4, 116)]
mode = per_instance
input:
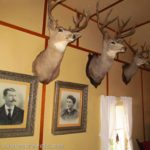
[(17, 116)]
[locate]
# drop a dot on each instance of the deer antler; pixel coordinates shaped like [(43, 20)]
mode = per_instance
[(106, 22), (143, 53), (132, 46), (84, 18), (121, 33), (140, 58), (145, 50), (51, 5)]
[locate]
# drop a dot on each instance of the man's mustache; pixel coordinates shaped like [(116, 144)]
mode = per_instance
[(13, 100)]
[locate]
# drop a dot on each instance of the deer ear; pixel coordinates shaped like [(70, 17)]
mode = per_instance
[(106, 36), (52, 25), (50, 31)]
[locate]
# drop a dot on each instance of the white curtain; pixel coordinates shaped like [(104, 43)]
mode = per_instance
[(127, 103), (107, 123)]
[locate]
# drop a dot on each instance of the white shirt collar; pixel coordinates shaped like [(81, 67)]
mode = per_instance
[(12, 109)]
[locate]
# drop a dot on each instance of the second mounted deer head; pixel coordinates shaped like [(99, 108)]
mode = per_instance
[(46, 66), (98, 65), (141, 57)]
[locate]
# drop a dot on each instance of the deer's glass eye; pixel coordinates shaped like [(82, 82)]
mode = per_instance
[(60, 30), (140, 56), (112, 42)]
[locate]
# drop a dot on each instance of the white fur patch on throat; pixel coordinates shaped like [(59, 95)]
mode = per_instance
[(60, 46), (112, 54)]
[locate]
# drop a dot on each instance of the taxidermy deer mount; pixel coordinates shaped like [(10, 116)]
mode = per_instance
[(46, 66), (98, 65), (141, 57)]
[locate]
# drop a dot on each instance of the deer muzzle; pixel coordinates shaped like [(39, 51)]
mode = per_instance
[(72, 37), (124, 49), (76, 36), (148, 63)]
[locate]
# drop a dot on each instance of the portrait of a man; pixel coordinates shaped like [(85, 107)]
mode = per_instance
[(17, 104), (70, 112), (10, 113)]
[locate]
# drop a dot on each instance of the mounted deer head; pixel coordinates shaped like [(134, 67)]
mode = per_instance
[(47, 64), (99, 65), (141, 57)]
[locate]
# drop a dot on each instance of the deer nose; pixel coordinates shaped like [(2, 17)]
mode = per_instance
[(74, 36), (148, 63)]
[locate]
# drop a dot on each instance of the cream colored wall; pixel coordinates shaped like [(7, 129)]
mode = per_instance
[(18, 50), (22, 13)]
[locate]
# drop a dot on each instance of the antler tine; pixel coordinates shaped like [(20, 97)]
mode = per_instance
[(78, 20), (51, 5), (106, 21), (98, 20), (148, 47), (145, 50), (126, 34), (121, 27), (149, 53), (131, 47), (124, 24), (121, 33), (143, 46)]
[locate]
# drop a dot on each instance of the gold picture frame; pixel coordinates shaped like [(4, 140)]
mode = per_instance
[(17, 91), (70, 108)]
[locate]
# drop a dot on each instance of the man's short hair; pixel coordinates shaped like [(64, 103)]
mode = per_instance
[(72, 98), (8, 89)]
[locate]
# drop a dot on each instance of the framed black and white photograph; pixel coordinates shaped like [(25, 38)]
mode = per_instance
[(17, 104), (70, 108)]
